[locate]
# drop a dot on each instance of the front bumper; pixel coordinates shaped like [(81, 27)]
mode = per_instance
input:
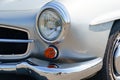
[(73, 71)]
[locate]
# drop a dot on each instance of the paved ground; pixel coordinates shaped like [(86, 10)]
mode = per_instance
[(23, 77), (96, 77), (14, 77)]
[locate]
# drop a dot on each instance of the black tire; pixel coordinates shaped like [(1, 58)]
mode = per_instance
[(107, 72)]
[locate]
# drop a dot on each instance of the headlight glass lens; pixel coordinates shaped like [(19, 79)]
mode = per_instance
[(50, 24)]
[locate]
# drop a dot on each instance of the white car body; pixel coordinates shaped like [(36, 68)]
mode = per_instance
[(83, 48)]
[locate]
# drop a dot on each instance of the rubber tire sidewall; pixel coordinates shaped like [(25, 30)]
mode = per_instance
[(107, 71)]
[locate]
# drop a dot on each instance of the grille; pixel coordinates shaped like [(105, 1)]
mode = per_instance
[(13, 41)]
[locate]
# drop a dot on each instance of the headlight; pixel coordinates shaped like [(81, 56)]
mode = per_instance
[(50, 24), (53, 22)]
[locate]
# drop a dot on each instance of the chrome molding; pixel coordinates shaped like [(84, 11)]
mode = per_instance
[(16, 41)]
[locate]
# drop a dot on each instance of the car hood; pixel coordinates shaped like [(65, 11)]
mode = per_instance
[(21, 4)]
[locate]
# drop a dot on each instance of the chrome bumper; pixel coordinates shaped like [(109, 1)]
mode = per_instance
[(64, 72)]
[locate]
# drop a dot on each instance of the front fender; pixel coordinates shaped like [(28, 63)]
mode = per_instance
[(106, 18)]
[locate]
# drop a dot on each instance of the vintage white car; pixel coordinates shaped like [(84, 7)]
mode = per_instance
[(60, 39)]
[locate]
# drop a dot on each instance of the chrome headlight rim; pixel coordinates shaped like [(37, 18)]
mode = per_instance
[(63, 14)]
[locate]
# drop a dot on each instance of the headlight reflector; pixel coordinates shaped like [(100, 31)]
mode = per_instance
[(50, 24)]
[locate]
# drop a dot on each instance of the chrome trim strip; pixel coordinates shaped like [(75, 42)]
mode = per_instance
[(7, 68), (16, 41)]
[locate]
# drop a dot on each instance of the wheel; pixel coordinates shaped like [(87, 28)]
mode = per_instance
[(111, 62)]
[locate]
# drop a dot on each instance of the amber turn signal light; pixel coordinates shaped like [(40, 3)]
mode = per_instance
[(50, 53)]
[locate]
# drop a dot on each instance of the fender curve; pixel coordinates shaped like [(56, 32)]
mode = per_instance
[(106, 18)]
